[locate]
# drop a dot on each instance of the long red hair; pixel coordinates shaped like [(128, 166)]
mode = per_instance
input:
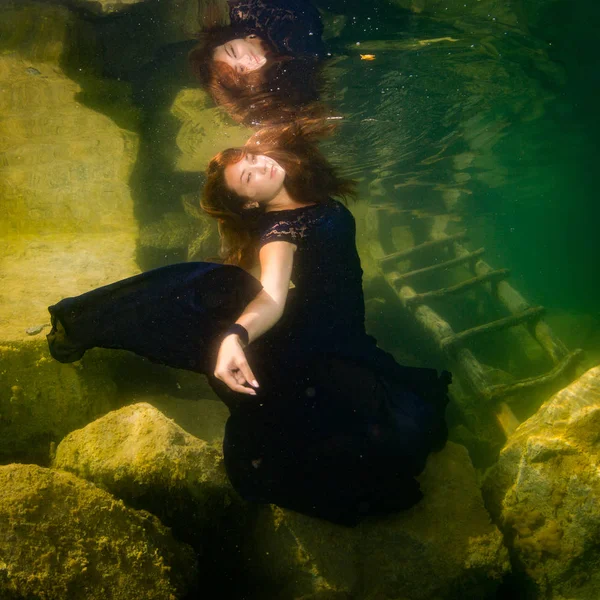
[(285, 89), (309, 178)]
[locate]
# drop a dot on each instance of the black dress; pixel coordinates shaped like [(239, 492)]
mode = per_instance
[(291, 27), (337, 429)]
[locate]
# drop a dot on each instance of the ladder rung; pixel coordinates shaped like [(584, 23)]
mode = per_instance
[(495, 392), (417, 213), (530, 314), (443, 265), (421, 247), (514, 303), (492, 276)]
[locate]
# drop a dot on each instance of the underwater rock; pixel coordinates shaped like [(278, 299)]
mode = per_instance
[(165, 18), (62, 537), (68, 223), (545, 492), (35, 329), (41, 400), (150, 462), (107, 6), (205, 245), (204, 129), (443, 544), (173, 230)]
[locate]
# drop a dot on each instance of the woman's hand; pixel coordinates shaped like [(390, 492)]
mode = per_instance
[(233, 369), (276, 260)]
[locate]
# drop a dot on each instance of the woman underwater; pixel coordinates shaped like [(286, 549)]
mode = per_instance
[(266, 63), (322, 421)]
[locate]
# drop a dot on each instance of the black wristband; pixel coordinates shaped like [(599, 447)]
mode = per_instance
[(240, 331)]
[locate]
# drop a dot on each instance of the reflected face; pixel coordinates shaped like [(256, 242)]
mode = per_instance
[(244, 55), (256, 177)]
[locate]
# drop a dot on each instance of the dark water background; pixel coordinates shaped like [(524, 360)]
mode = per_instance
[(493, 122), (504, 117), (516, 104)]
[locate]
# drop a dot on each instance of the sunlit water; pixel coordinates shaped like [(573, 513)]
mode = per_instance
[(489, 120), (493, 123)]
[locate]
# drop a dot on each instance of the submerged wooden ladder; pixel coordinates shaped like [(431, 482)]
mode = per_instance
[(380, 221)]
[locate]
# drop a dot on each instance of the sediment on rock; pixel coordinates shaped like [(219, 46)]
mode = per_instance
[(62, 537)]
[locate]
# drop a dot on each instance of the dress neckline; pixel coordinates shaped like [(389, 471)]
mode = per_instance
[(293, 210)]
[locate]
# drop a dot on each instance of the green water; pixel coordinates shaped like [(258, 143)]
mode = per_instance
[(484, 113), (518, 102), (513, 101)]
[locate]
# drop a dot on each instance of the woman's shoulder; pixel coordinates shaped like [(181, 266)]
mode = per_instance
[(302, 213), (297, 224)]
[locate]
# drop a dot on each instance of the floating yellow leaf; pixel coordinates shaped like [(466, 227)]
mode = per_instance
[(367, 57)]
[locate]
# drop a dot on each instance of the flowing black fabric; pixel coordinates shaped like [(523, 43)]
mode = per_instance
[(172, 315), (338, 429)]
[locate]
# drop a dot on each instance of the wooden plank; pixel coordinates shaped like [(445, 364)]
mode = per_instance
[(403, 254), (506, 418), (528, 315), (472, 372), (495, 392), (448, 264), (491, 277), (515, 303)]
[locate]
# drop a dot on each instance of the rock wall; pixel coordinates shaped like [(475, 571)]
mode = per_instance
[(68, 220), (68, 216), (144, 458), (444, 545), (62, 537), (545, 493)]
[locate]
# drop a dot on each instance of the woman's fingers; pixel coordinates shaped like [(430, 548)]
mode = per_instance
[(238, 387), (239, 378), (235, 381), (246, 371), (233, 369)]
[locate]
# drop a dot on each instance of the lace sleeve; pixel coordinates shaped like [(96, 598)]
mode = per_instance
[(284, 230)]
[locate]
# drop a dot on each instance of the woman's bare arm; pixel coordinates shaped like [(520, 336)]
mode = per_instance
[(276, 260)]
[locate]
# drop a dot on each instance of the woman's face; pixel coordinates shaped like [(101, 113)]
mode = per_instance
[(256, 177), (242, 54)]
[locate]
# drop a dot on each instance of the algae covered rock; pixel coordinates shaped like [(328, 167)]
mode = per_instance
[(545, 491), (183, 16), (204, 130), (107, 6), (443, 545), (68, 221), (173, 230), (62, 537), (41, 400), (146, 459)]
